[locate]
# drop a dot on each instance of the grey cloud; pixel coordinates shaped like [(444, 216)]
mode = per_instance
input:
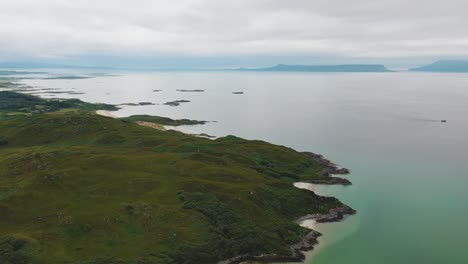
[(352, 28)]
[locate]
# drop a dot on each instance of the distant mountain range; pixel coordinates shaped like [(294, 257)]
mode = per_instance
[(444, 66), (438, 66), (323, 68)]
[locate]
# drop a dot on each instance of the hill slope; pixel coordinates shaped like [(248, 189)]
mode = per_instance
[(80, 188)]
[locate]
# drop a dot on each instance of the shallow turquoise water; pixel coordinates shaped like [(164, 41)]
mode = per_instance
[(409, 170)]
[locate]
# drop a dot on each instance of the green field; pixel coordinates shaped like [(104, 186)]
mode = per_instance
[(80, 188)]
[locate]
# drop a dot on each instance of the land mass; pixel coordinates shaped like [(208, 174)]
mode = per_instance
[(162, 120), (323, 68), (445, 66), (80, 188)]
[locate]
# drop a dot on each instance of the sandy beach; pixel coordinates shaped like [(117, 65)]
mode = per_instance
[(156, 125), (105, 113)]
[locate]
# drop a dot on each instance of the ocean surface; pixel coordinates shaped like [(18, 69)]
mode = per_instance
[(409, 170)]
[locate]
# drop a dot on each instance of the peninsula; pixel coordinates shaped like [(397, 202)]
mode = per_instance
[(81, 188)]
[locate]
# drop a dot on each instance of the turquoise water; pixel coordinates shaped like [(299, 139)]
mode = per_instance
[(409, 170)]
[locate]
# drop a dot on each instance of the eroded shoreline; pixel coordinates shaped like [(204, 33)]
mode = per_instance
[(310, 240)]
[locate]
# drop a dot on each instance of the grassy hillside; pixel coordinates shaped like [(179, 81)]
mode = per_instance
[(80, 188)]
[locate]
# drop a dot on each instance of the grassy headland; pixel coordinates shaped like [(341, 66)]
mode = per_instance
[(80, 188)]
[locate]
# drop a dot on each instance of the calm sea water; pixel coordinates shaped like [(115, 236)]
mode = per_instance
[(409, 170)]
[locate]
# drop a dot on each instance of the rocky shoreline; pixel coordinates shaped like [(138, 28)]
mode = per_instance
[(309, 241), (329, 169)]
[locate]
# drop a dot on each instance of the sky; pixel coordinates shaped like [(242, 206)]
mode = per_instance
[(240, 33)]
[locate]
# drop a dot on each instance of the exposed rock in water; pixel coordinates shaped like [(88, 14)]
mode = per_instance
[(137, 104), (176, 103), (145, 103), (190, 91), (129, 104)]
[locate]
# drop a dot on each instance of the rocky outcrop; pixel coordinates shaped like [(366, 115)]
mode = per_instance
[(328, 170), (176, 103), (190, 91), (297, 255), (328, 167), (307, 243), (334, 215)]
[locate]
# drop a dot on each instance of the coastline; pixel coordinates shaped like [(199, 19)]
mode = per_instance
[(310, 240), (307, 243), (157, 125), (105, 113)]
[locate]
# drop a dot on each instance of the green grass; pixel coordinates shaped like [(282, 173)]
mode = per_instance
[(162, 120), (17, 102), (80, 188)]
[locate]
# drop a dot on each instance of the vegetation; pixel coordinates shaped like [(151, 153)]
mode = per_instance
[(17, 102), (80, 188), (162, 120)]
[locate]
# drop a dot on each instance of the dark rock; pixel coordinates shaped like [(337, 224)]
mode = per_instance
[(307, 243), (176, 103), (190, 91), (145, 103), (328, 169), (331, 180)]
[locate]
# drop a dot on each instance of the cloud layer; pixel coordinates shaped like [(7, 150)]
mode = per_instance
[(353, 28)]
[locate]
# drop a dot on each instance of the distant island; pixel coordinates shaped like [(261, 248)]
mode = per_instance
[(444, 66), (323, 68)]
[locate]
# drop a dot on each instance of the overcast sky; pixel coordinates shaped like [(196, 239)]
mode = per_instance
[(217, 32)]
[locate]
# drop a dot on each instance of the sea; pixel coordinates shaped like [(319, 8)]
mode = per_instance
[(408, 169)]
